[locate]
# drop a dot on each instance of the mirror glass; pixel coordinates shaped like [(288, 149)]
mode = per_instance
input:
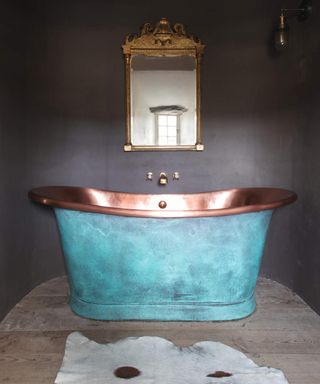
[(163, 100), (162, 69)]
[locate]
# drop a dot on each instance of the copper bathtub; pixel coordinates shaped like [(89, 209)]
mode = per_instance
[(163, 257)]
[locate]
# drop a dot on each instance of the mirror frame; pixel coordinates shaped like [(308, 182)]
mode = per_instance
[(159, 41)]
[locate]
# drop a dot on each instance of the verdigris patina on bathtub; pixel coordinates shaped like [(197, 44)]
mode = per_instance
[(163, 257)]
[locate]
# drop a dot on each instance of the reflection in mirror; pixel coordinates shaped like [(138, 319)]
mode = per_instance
[(163, 98), (163, 89)]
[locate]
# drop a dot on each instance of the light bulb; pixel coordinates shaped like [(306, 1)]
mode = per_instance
[(281, 35)]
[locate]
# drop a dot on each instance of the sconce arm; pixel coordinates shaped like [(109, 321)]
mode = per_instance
[(302, 13)]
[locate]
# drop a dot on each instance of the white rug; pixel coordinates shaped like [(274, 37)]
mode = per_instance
[(158, 361)]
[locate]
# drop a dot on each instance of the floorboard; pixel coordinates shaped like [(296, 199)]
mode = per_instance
[(283, 333)]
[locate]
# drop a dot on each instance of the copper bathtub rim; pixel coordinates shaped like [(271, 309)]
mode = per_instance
[(163, 213)]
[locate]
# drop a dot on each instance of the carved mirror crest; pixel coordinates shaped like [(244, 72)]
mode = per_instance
[(162, 89)]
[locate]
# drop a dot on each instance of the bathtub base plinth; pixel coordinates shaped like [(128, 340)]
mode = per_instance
[(164, 312)]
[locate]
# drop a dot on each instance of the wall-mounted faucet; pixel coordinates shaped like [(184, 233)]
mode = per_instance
[(163, 178)]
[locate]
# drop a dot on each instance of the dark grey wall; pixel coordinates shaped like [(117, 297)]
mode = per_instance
[(13, 234), (307, 261), (298, 265), (22, 265), (252, 117), (76, 104), (76, 95)]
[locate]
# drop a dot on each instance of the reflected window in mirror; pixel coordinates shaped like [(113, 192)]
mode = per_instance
[(167, 130), (167, 124)]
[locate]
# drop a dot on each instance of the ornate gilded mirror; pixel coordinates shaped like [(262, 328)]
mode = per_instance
[(162, 89)]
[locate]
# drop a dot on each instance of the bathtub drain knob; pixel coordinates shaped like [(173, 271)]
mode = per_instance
[(162, 204)]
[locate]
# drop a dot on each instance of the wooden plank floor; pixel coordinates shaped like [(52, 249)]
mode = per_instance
[(283, 333)]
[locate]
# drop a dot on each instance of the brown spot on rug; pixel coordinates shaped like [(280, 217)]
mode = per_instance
[(220, 374), (126, 372)]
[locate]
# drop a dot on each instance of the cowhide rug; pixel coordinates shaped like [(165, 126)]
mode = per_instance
[(153, 360)]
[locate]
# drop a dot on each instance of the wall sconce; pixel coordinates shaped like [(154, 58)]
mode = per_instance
[(281, 33)]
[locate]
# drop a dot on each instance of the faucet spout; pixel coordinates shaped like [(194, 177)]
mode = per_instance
[(163, 178)]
